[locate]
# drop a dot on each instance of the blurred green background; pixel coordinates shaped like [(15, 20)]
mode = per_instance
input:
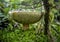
[(12, 32)]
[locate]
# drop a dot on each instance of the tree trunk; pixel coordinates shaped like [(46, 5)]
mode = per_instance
[(47, 22)]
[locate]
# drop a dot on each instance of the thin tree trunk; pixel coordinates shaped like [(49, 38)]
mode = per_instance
[(47, 22), (46, 17)]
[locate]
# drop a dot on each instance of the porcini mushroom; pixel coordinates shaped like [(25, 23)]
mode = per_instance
[(26, 17)]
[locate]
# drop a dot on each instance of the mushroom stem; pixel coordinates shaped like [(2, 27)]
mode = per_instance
[(25, 26)]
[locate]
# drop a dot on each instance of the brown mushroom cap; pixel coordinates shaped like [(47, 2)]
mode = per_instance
[(26, 17)]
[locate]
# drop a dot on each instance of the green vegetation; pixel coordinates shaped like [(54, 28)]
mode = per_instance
[(12, 31)]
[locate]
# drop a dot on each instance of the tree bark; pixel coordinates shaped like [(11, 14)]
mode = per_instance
[(47, 22), (46, 16)]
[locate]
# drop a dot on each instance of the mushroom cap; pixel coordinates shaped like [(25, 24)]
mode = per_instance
[(26, 17)]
